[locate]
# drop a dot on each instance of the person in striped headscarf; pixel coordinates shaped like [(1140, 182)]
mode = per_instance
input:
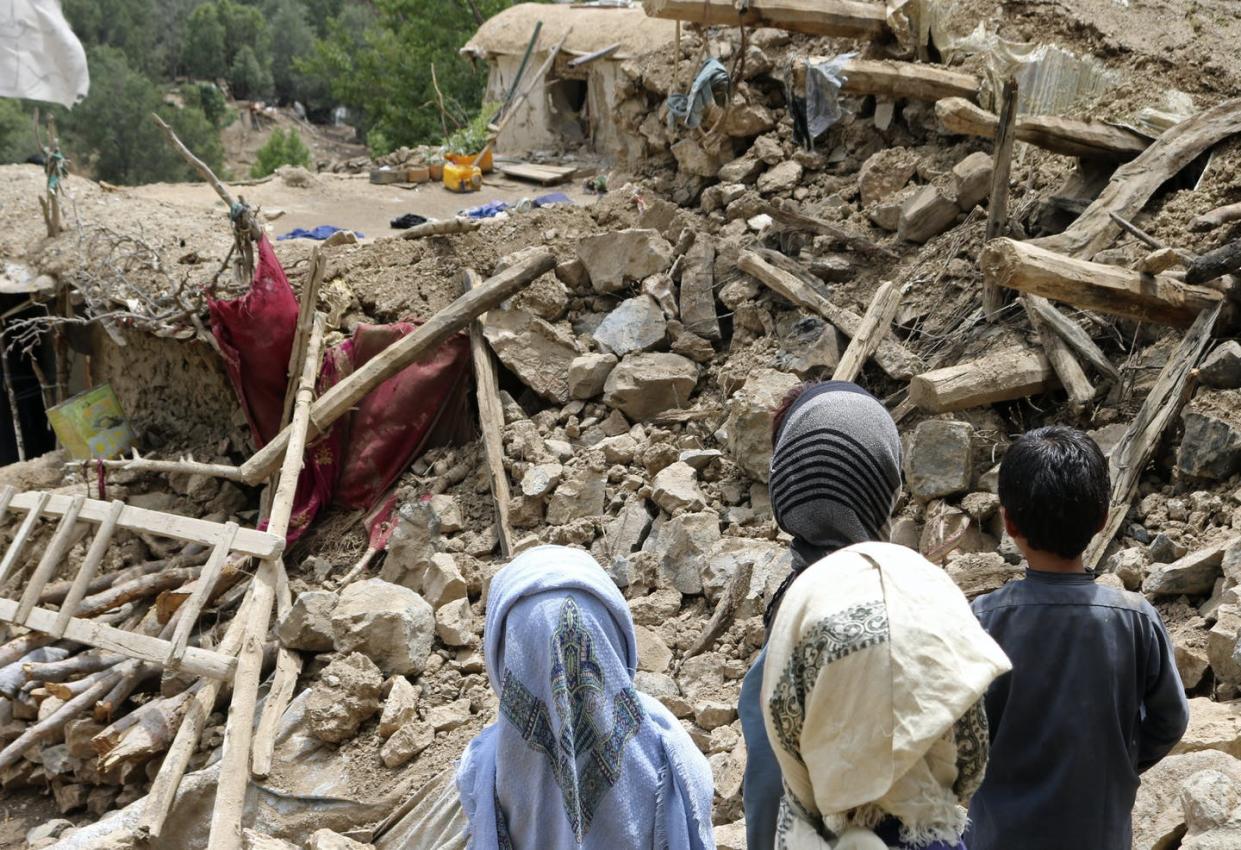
[(835, 476)]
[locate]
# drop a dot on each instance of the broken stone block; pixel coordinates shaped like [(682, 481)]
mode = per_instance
[(1164, 550), (454, 623), (712, 715), (940, 459), (1193, 575), (619, 449), (573, 274), (769, 564), (447, 512), (1222, 367), (546, 297), (416, 538), (345, 697), (1209, 798), (696, 159), (682, 545), (981, 506), (444, 718), (927, 214), (1158, 817), (747, 429), (1211, 446), (580, 495), (642, 386), (400, 707), (810, 346), (308, 625), (51, 829), (1212, 726), (537, 352), (977, 573), (731, 836), (326, 839), (746, 119), (1222, 645), (1189, 644), (614, 259), (781, 179), (885, 173), (440, 581), (675, 489), (698, 289), (1129, 565), (625, 533), (637, 324), (406, 743), (588, 373), (541, 479), (768, 149), (78, 734), (391, 624), (741, 170), (653, 654), (971, 179)]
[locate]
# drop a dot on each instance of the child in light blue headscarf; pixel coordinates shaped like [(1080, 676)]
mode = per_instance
[(578, 758)]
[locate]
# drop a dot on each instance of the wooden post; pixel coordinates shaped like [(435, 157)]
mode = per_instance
[(997, 206), (1002, 376), (1093, 286), (11, 396), (90, 566), (1161, 406), (52, 556), (23, 534), (874, 327), (1223, 260), (490, 422), (846, 18), (305, 321), (171, 467), (1065, 136), (341, 398)]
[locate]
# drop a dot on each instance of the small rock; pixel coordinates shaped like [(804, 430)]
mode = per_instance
[(614, 259), (940, 459), (440, 581), (1222, 645), (885, 173), (982, 572), (696, 159), (927, 214), (252, 840), (746, 432), (1210, 447), (1129, 565), (971, 179), (391, 624), (1212, 726), (1209, 798), (308, 625), (345, 697), (682, 544), (400, 707), (741, 170), (51, 829), (620, 449), (1222, 367), (326, 839), (541, 479), (731, 836), (1164, 550), (675, 489), (654, 656), (637, 324), (341, 237), (710, 715), (642, 386), (1158, 817), (697, 296), (454, 623), (406, 743), (447, 513), (781, 179), (588, 374), (581, 495), (981, 506), (444, 718)]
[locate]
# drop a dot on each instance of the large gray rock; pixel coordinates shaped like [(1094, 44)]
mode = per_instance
[(614, 259), (928, 213), (416, 538), (1209, 800), (1158, 817), (439, 581), (940, 459), (588, 373), (308, 625), (345, 697), (623, 536), (1193, 575), (1222, 367), (682, 545), (643, 386), (391, 624), (971, 179), (675, 489), (454, 623), (580, 495), (1211, 445), (768, 561), (1212, 726), (885, 173), (537, 352), (698, 289), (637, 324), (1222, 645), (747, 429)]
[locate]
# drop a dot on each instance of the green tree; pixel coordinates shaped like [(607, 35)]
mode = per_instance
[(204, 54), (16, 132), (127, 25), (284, 147), (297, 38), (249, 79)]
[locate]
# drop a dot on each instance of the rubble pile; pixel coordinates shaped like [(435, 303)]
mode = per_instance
[(638, 380)]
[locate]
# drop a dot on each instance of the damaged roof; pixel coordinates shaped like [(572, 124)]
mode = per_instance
[(588, 29)]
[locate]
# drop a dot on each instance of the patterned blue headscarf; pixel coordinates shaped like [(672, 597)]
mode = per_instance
[(577, 757)]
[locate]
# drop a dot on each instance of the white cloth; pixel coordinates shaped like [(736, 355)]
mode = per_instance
[(871, 662), (40, 57)]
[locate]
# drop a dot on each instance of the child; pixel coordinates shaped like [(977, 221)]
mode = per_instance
[(1094, 697)]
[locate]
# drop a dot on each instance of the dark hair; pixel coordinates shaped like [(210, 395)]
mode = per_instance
[(1054, 487)]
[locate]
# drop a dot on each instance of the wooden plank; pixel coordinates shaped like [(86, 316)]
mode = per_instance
[(36, 507), (192, 608), (874, 327), (591, 57), (892, 79), (491, 423), (997, 206), (1160, 408), (52, 556), (90, 566), (847, 18), (260, 544), (200, 662), (1072, 333), (341, 398), (537, 174), (893, 358), (1066, 136), (1123, 292), (442, 228), (1002, 376), (1080, 391)]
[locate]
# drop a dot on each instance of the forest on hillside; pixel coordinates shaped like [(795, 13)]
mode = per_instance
[(187, 59)]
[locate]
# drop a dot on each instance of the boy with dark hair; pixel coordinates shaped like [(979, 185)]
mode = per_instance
[(1094, 697)]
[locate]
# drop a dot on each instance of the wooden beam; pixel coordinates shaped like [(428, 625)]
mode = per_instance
[(1223, 260), (875, 325), (491, 423), (1067, 136), (341, 398), (792, 219), (1133, 183), (1217, 217), (1072, 333), (1026, 267), (260, 544), (892, 79), (53, 553), (893, 358), (184, 467), (280, 694), (997, 205), (1080, 391), (1002, 376), (846, 18), (442, 228), (1160, 408)]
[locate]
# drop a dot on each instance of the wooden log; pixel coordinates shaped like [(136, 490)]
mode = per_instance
[(305, 323), (139, 588), (45, 729), (52, 556), (341, 398), (875, 325), (1072, 333), (602, 53), (892, 79), (846, 18), (1078, 387), (203, 588), (1133, 183), (792, 219), (105, 709), (68, 690), (144, 732), (1217, 217), (171, 467), (13, 675), (1067, 136), (90, 661), (280, 694), (442, 228), (1160, 408), (1027, 267), (38, 504), (1002, 376), (90, 566), (57, 592), (491, 423), (894, 359), (1223, 260), (18, 648), (260, 544), (997, 206)]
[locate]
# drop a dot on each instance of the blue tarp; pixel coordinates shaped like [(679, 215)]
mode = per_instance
[(321, 232)]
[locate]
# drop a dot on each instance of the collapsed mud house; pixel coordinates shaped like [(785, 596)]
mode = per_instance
[(642, 343)]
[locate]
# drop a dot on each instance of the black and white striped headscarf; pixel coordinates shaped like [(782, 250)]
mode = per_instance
[(835, 471)]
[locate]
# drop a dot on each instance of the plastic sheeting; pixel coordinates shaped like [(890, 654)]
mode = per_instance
[(40, 57), (689, 108)]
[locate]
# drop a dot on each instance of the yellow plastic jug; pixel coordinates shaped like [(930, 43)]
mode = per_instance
[(462, 178)]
